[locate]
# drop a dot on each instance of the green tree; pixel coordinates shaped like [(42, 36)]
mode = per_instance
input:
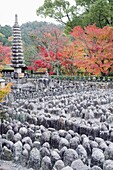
[(6, 30), (61, 11), (5, 33), (99, 12), (83, 12)]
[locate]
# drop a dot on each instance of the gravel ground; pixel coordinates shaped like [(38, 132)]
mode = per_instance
[(8, 165)]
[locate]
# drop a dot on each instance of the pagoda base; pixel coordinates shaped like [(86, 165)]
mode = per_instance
[(18, 70), (18, 73)]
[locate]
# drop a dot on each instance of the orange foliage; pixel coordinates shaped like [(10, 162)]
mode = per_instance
[(93, 49)]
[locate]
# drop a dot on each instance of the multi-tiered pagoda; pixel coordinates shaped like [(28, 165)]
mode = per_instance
[(17, 50)]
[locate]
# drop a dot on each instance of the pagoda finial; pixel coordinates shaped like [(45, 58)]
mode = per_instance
[(16, 19)]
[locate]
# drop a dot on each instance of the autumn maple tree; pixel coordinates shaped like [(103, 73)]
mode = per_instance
[(93, 49), (50, 44), (5, 91), (89, 49), (5, 53)]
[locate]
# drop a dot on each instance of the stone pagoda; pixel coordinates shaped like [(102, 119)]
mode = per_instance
[(17, 50)]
